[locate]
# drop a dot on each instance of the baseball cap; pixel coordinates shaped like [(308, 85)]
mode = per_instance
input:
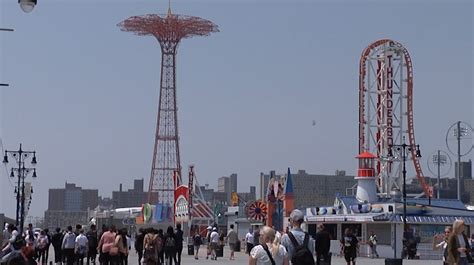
[(214, 229), (297, 215)]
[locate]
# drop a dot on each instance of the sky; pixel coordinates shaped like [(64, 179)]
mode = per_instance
[(84, 95)]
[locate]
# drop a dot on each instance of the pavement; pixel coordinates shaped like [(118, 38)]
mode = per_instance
[(241, 258)]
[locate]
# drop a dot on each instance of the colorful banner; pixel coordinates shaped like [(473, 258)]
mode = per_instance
[(158, 212)]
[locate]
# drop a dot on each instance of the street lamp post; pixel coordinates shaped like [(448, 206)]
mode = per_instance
[(404, 149), (22, 172)]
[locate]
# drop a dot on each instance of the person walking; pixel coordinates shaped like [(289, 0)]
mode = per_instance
[(161, 246), (322, 246), (68, 246), (56, 241), (139, 244), (232, 238), (269, 252), (49, 236), (208, 239), (42, 244), (373, 245), (214, 243), (5, 235), (179, 244), (150, 248), (121, 243), (443, 243), (13, 245), (298, 243), (349, 246), (458, 245), (249, 240), (106, 242), (170, 246), (128, 243), (197, 242), (93, 242), (82, 246)]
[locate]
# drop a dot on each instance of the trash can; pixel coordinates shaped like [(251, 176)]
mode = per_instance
[(393, 261), (190, 250), (220, 251)]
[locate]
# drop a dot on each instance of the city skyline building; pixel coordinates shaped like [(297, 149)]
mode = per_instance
[(69, 205), (132, 197), (310, 189)]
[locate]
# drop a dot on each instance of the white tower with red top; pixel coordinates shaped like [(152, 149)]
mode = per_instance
[(366, 186)]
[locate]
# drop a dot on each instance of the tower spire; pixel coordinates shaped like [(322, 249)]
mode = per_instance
[(169, 8)]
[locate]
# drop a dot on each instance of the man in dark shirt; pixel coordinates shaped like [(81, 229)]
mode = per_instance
[(93, 242), (139, 244), (322, 246), (179, 244), (349, 246), (57, 240)]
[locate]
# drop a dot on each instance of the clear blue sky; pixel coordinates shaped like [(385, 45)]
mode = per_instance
[(84, 94)]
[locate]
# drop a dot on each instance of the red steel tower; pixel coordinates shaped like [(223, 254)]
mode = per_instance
[(169, 30), (386, 109)]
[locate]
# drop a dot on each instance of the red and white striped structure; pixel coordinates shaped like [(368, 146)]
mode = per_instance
[(386, 110)]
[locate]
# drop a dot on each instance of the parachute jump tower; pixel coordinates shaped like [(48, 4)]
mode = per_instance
[(386, 110), (169, 30)]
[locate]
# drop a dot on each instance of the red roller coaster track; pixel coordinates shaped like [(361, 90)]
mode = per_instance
[(381, 98)]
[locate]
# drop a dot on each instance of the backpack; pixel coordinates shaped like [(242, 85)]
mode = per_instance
[(42, 243), (301, 255), (19, 242), (92, 239), (81, 250), (150, 248), (170, 243), (197, 240), (57, 240)]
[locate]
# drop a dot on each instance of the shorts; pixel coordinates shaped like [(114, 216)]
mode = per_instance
[(214, 245), (350, 256), (232, 246)]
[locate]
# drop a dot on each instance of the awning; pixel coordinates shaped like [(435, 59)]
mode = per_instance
[(340, 218), (417, 219)]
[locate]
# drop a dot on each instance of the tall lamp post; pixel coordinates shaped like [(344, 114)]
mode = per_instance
[(21, 172), (404, 149)]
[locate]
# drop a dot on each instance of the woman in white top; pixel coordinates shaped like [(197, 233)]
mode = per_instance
[(249, 240), (259, 255), (444, 243)]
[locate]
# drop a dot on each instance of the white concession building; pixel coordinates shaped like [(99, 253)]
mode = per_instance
[(366, 212)]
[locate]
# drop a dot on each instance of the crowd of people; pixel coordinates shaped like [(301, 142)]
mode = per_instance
[(154, 247), (457, 247), (264, 245), (70, 246)]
